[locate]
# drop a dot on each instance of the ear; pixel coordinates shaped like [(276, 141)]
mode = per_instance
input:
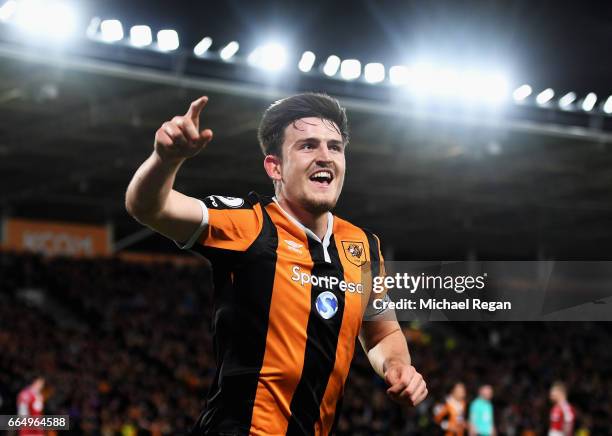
[(272, 165)]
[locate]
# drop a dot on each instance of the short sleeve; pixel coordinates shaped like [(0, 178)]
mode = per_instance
[(196, 235), (229, 223), (377, 265)]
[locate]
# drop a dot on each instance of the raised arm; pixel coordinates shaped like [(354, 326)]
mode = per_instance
[(150, 198)]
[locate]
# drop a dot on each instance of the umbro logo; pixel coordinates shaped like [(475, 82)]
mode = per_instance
[(294, 246)]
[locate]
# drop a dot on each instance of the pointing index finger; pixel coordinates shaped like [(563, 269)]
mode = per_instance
[(196, 108)]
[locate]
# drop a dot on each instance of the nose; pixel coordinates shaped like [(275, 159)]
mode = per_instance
[(323, 155)]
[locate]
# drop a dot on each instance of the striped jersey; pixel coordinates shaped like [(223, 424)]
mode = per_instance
[(562, 418), (287, 310), (451, 417)]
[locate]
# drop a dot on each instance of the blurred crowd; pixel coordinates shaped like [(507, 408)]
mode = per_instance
[(125, 349)]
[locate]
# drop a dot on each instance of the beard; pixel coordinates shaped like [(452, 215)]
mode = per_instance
[(317, 206), (320, 205), (307, 200)]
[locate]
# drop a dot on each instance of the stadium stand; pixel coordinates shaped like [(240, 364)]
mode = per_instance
[(130, 353)]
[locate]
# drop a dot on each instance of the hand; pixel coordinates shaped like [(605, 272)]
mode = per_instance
[(406, 385), (181, 138)]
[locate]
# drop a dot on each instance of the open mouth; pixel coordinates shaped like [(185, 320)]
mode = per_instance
[(323, 177)]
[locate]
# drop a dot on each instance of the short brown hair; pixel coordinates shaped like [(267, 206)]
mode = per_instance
[(280, 114)]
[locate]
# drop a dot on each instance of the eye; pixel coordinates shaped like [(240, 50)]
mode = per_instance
[(335, 147), (308, 146)]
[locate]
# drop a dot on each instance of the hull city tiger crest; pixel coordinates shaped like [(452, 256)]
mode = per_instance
[(354, 252)]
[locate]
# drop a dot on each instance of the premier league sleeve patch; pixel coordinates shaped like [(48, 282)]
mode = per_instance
[(222, 202)]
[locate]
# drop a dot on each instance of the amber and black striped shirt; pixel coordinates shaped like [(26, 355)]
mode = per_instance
[(287, 310)]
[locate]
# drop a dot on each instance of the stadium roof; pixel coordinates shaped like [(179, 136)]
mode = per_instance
[(544, 43)]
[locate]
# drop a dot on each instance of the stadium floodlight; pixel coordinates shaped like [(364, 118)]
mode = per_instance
[(271, 57), (167, 40), (545, 96), (331, 65), (447, 82), (607, 107), (494, 88), (566, 101), (422, 78), (53, 19), (350, 69), (374, 72), (589, 102), (7, 10), (471, 85), (202, 46), (92, 28), (425, 79), (141, 36), (522, 92), (399, 75), (306, 61), (111, 30), (229, 50)]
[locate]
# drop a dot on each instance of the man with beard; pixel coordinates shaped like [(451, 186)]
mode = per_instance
[(289, 298)]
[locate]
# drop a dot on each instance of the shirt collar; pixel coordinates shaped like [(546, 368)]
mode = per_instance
[(330, 225)]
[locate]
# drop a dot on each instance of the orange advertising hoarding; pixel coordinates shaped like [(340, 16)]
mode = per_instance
[(55, 238)]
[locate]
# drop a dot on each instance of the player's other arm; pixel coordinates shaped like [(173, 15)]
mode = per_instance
[(150, 198), (440, 413), (387, 350), (385, 345), (472, 420), (23, 407), (568, 421)]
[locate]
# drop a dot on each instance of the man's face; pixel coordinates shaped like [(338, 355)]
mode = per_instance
[(459, 392), (39, 384), (554, 394), (486, 392), (313, 164)]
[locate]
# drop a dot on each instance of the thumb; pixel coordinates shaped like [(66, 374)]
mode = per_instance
[(206, 135), (393, 375)]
